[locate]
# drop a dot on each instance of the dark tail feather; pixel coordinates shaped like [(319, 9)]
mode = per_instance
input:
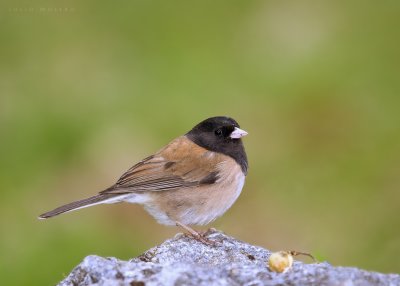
[(76, 205)]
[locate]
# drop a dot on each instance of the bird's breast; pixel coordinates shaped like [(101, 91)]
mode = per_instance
[(201, 204)]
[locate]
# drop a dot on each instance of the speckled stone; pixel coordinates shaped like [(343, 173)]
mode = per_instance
[(185, 261)]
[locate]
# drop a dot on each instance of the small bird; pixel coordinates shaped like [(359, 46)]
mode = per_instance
[(191, 181)]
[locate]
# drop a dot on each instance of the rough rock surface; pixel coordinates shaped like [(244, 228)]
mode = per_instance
[(185, 261)]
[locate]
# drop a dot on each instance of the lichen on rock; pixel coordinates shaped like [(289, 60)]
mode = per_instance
[(185, 261)]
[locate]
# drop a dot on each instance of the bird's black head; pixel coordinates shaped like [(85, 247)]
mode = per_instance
[(221, 134)]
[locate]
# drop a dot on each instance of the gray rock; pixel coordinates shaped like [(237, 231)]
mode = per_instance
[(185, 261)]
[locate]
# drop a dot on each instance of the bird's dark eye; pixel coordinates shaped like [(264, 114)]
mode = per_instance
[(218, 132)]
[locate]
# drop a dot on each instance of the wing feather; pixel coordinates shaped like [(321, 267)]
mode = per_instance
[(181, 163)]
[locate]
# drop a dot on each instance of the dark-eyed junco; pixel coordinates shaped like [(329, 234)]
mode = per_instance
[(191, 181)]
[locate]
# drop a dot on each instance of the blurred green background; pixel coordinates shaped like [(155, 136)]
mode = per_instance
[(91, 89)]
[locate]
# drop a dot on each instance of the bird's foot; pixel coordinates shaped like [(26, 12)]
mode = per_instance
[(196, 235)]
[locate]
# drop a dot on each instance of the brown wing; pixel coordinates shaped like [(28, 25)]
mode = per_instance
[(181, 163)]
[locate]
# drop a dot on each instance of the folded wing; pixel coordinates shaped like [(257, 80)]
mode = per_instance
[(181, 163)]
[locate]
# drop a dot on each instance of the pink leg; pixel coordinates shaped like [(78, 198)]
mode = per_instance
[(195, 234)]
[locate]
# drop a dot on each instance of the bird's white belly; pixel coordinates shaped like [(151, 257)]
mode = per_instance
[(220, 204), (194, 205)]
